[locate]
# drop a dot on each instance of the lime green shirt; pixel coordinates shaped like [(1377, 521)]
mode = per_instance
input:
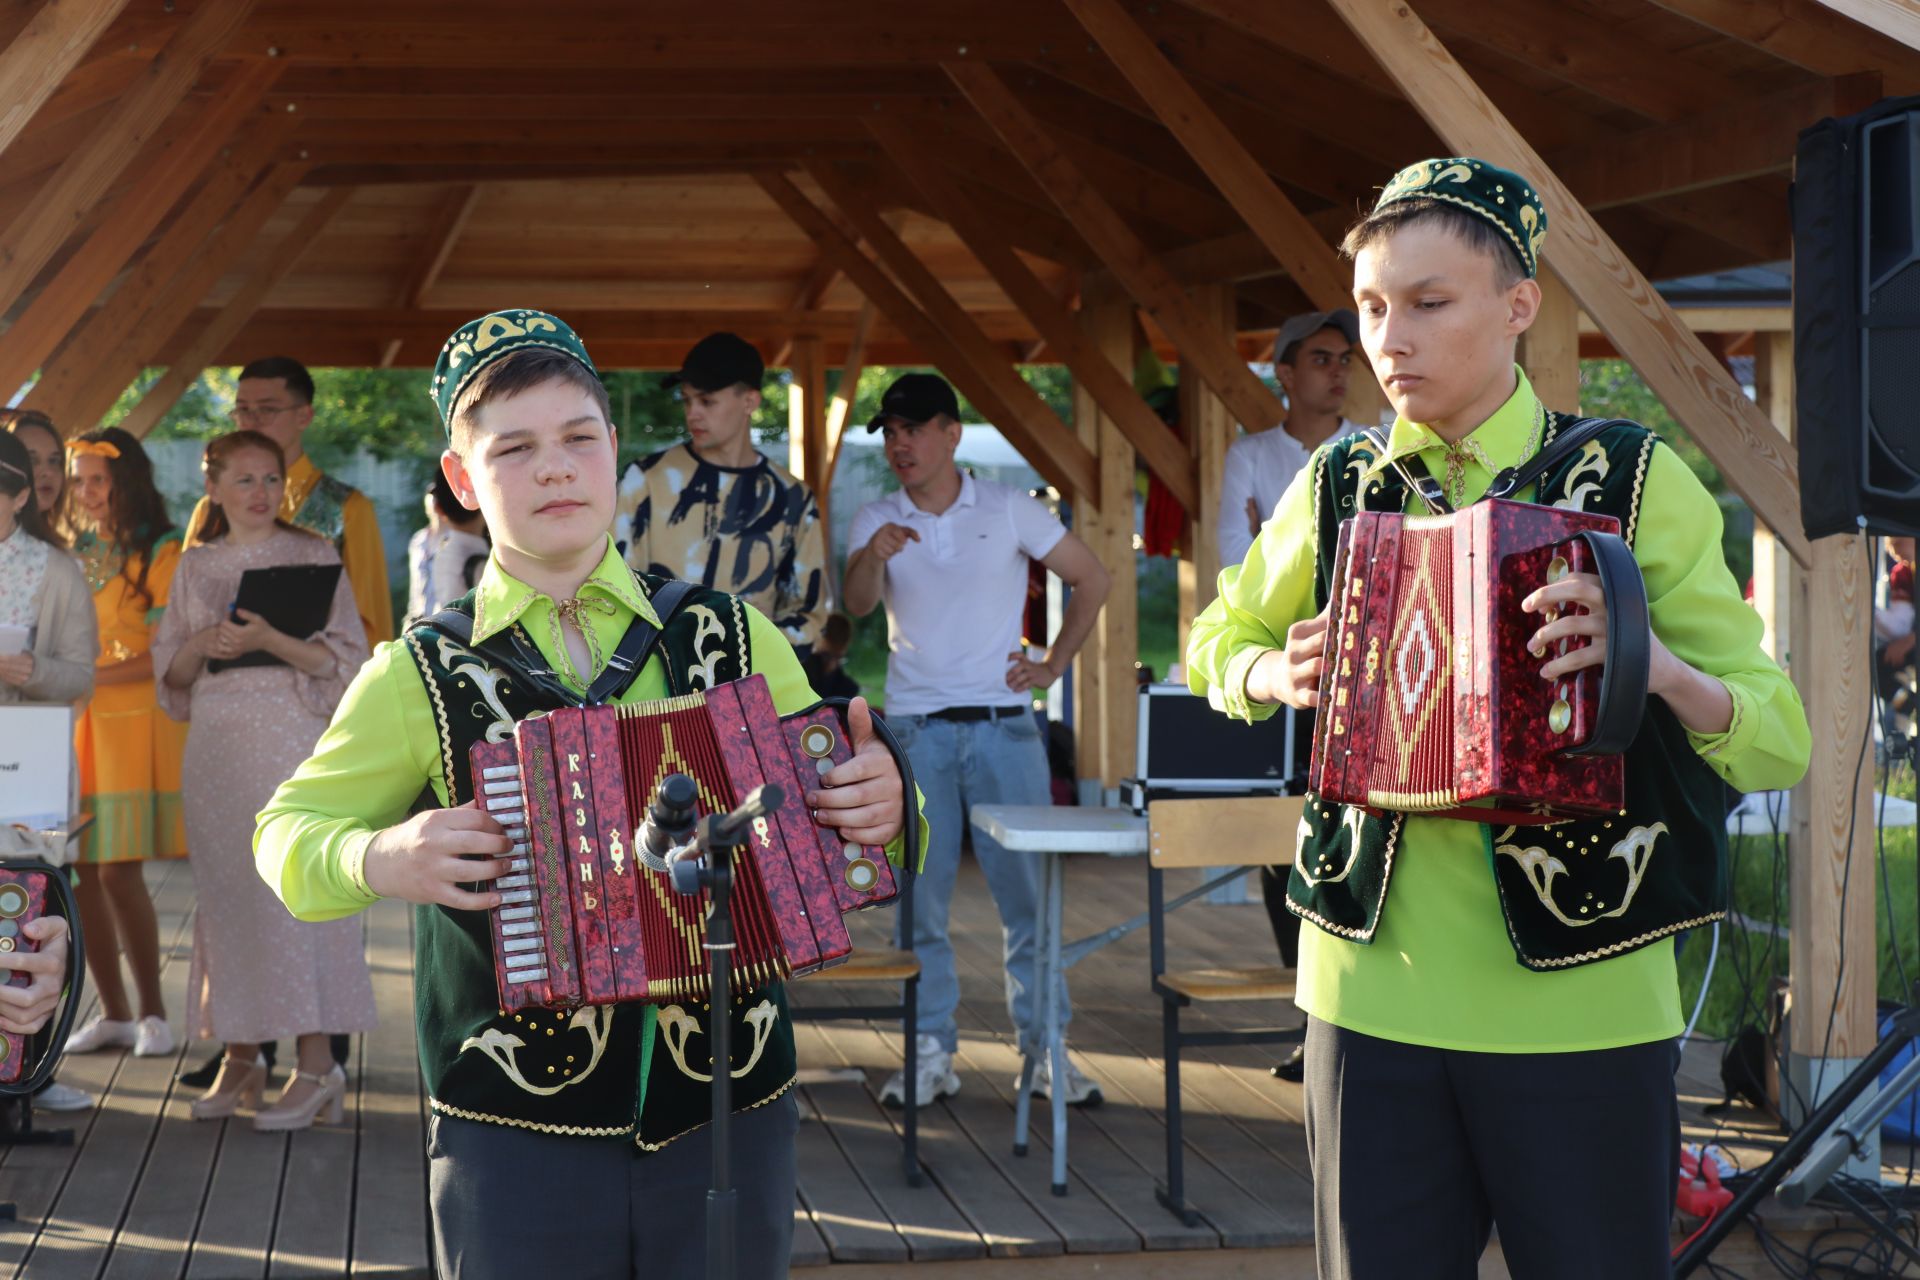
[(1441, 970), (383, 747)]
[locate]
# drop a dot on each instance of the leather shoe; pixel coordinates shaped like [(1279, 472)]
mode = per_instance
[(1294, 1069)]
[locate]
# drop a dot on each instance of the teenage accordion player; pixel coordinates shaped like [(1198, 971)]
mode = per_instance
[(1430, 702), (589, 916)]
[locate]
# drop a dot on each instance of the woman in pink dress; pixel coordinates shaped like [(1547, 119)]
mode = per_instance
[(258, 974)]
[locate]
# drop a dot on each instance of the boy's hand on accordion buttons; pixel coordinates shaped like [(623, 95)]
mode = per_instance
[(25, 1010), (1291, 675), (427, 858), (863, 798), (1581, 589)]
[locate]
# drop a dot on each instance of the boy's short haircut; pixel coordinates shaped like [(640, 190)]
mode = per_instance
[(288, 370), (1476, 232), (522, 371)]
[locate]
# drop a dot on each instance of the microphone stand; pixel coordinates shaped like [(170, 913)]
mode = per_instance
[(709, 865)]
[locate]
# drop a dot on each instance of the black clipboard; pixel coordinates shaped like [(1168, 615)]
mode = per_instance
[(294, 598)]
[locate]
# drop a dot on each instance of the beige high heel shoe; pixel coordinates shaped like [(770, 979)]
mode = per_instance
[(218, 1103), (284, 1116)]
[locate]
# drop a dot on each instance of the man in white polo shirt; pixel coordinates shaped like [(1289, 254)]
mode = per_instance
[(948, 553)]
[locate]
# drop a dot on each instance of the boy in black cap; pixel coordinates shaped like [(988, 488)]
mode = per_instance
[(1497, 1048), (716, 511)]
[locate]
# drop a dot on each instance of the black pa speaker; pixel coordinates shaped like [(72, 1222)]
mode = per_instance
[(1856, 320)]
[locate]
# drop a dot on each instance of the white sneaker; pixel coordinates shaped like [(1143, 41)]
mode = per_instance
[(101, 1033), (62, 1097), (1082, 1089), (933, 1080), (153, 1038)]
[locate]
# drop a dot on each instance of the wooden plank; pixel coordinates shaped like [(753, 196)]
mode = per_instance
[(64, 300), (807, 415), (962, 330), (1056, 325), (1204, 346), (152, 278), (1833, 947), (838, 1201), (186, 368), (40, 56), (1059, 461), (1891, 18), (312, 1227), (1694, 387), (84, 178), (1209, 428), (390, 1180), (1281, 227), (1779, 585), (449, 220), (1806, 33), (235, 1230), (809, 1247), (1550, 350)]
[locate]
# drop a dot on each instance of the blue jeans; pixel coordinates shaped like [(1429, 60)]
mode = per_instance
[(958, 765)]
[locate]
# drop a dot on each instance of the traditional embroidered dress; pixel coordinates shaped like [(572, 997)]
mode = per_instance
[(129, 753)]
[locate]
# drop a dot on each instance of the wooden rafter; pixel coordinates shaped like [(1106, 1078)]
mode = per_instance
[(1202, 345), (1158, 447), (449, 220), (280, 260), (1066, 463), (40, 56), (86, 175), (840, 408), (1807, 33), (1742, 443)]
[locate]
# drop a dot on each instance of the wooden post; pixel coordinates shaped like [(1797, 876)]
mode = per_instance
[(1778, 583), (225, 326), (1209, 427), (1550, 350), (807, 415), (1106, 698), (841, 406)]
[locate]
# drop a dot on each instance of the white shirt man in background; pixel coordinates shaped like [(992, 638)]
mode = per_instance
[(948, 554)]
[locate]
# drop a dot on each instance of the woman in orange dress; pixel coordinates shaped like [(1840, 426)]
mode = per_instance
[(129, 752)]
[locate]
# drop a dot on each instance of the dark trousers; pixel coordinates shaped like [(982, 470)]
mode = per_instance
[(1286, 925), (513, 1204), (1417, 1153)]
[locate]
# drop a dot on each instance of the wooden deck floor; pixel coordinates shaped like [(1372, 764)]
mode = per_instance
[(146, 1192)]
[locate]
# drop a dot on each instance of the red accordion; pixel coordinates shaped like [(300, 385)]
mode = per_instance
[(588, 917), (23, 897), (1429, 700)]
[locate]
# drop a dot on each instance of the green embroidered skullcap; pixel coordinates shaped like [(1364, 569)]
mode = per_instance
[(1501, 196), (478, 343)]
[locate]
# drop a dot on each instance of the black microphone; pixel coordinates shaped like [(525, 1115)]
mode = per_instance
[(669, 821), (723, 831)]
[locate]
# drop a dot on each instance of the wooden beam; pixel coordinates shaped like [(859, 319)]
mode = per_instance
[(65, 299), (952, 319), (1550, 350), (840, 408), (1806, 33), (39, 58), (1733, 431), (1210, 430), (807, 416), (1282, 228), (1111, 388), (98, 364), (1064, 463), (449, 220), (1742, 138), (1202, 344), (280, 260), (1104, 708), (86, 175)]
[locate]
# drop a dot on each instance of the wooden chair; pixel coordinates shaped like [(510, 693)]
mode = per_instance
[(883, 965), (1192, 833)]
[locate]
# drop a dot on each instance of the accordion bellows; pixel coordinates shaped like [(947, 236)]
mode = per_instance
[(588, 917), (1430, 702)]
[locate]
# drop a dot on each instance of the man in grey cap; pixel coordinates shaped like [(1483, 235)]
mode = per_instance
[(1311, 357)]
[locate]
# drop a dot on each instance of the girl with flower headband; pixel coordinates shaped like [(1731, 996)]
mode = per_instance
[(129, 753)]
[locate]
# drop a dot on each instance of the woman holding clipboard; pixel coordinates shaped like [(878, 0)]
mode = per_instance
[(256, 698)]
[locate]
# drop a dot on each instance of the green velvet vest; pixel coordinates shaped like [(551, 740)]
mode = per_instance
[(325, 510), (1573, 892), (601, 1071)]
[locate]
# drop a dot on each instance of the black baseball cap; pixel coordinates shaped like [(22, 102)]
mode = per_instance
[(719, 361), (916, 398)]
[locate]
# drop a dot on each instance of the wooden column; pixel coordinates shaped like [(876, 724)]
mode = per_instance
[(1209, 427), (1550, 350), (1778, 583), (840, 407), (807, 415), (1105, 696)]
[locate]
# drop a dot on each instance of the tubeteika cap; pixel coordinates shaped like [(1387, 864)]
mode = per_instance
[(478, 343), (1501, 196)]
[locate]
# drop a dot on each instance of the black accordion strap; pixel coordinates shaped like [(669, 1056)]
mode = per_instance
[(1623, 677), (1514, 479), (512, 650), (1414, 472)]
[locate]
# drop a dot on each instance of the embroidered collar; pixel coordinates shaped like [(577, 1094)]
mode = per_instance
[(1509, 437), (501, 600)]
